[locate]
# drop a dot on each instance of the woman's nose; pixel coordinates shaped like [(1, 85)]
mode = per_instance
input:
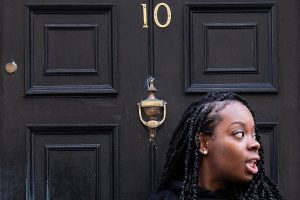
[(253, 145)]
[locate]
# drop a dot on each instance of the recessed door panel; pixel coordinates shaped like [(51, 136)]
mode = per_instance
[(230, 47), (71, 49), (72, 162)]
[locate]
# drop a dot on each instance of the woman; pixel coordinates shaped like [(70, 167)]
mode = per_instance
[(215, 153)]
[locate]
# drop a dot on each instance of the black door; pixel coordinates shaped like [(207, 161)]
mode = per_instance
[(67, 130), (249, 47), (69, 122)]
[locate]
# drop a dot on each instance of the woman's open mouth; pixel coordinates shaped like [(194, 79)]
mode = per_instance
[(251, 166)]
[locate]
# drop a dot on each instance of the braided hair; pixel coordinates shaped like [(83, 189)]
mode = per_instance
[(183, 157)]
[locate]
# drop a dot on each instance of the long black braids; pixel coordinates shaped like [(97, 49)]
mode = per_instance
[(183, 157)]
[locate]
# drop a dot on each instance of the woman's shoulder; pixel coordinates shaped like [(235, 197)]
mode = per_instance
[(173, 189), (171, 192), (164, 195)]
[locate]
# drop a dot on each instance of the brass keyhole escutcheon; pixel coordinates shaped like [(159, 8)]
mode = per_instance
[(11, 67)]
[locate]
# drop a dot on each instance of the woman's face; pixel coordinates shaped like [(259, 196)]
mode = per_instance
[(232, 149)]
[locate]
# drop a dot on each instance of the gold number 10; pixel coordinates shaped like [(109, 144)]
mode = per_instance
[(157, 22)]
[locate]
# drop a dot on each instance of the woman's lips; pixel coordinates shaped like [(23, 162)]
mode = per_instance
[(252, 167)]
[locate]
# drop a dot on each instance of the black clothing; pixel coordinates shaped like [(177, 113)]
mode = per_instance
[(173, 190)]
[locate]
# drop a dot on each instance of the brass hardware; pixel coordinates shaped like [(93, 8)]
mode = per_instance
[(168, 13), (11, 67), (145, 16), (152, 111)]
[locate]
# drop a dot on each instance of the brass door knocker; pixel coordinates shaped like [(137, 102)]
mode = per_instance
[(152, 111)]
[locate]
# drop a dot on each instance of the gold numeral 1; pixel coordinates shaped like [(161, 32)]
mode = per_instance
[(145, 16)]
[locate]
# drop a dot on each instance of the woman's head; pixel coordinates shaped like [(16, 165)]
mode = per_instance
[(216, 133), (230, 149)]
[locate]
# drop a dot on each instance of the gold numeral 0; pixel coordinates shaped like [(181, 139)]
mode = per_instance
[(157, 22), (168, 12)]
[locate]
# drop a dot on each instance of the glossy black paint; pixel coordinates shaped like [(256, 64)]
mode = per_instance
[(70, 109)]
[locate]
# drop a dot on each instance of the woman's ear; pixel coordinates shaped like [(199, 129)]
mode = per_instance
[(203, 146)]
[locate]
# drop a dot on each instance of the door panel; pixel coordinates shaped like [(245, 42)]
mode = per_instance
[(230, 46), (59, 156), (70, 49)]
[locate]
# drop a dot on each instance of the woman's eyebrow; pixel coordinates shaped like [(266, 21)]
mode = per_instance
[(240, 123)]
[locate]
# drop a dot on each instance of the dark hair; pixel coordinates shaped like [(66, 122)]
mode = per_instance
[(183, 158)]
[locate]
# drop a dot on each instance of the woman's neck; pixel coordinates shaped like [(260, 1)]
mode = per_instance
[(207, 179)]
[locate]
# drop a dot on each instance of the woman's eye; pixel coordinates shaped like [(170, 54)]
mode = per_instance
[(239, 134), (254, 136)]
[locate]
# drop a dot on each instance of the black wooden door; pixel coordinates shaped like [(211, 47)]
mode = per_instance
[(249, 47), (69, 121), (69, 124)]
